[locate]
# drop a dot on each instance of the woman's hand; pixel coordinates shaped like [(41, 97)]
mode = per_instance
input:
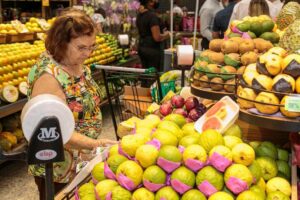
[(106, 142)]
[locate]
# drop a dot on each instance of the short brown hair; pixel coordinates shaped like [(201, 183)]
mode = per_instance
[(65, 28)]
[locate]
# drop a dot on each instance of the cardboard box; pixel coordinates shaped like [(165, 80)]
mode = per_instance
[(137, 99)]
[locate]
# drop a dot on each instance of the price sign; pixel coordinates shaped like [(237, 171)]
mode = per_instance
[(292, 104)]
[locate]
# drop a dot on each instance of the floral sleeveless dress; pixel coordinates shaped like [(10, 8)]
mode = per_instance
[(83, 98)]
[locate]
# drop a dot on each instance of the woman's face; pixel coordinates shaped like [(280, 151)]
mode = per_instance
[(79, 49)]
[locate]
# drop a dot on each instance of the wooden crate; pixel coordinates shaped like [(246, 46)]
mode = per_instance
[(21, 37), (2, 39)]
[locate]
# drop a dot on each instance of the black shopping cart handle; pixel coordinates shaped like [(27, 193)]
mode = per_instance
[(124, 69)]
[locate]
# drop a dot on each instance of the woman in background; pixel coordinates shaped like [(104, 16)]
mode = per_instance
[(151, 38)]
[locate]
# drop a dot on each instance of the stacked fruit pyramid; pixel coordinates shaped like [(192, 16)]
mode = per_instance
[(275, 71), (255, 27), (226, 57), (169, 160), (15, 63), (11, 133)]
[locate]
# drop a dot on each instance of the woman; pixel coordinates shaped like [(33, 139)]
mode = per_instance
[(60, 71), (150, 47), (258, 7)]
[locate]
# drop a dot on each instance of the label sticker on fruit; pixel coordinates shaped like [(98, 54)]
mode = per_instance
[(292, 104)]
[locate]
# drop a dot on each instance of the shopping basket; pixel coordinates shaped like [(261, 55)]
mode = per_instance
[(128, 91)]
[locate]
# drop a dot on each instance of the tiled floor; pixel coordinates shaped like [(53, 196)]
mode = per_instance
[(16, 184)]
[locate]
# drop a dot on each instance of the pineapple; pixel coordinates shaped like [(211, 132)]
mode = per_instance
[(290, 40), (289, 13)]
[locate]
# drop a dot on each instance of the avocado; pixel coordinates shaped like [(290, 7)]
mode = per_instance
[(267, 26), (270, 36), (256, 28), (244, 26)]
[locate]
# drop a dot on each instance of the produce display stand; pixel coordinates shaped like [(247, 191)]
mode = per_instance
[(208, 93), (21, 37), (2, 39)]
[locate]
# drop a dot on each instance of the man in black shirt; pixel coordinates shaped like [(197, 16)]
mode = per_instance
[(222, 19), (150, 47)]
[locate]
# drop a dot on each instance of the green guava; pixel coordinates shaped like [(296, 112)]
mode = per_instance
[(211, 175), (258, 191), (239, 171), (189, 129), (249, 195), (166, 193), (86, 191), (184, 175), (142, 194), (165, 137), (234, 130), (171, 127), (170, 153), (154, 174), (221, 150), (277, 195), (132, 171), (119, 193), (114, 161), (114, 150), (256, 171), (146, 155), (283, 155), (230, 141), (284, 169), (269, 167), (189, 140), (195, 152), (210, 138), (104, 187), (221, 196), (130, 143), (266, 149), (98, 171), (193, 195)]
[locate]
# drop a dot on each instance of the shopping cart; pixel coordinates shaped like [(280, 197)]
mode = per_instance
[(128, 91)]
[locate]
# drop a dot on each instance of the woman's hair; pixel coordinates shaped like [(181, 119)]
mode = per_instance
[(69, 25), (144, 2), (258, 7)]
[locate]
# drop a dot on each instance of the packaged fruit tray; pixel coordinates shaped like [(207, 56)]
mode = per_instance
[(213, 85), (266, 108), (219, 117)]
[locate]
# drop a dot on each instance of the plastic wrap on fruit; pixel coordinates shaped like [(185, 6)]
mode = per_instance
[(206, 188), (179, 186), (219, 162), (246, 36), (108, 173), (236, 185), (194, 165), (95, 182), (126, 182), (76, 194), (234, 29), (120, 151), (156, 143), (167, 165), (181, 149), (153, 187)]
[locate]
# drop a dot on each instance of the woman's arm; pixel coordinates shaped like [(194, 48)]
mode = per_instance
[(47, 84), (157, 36)]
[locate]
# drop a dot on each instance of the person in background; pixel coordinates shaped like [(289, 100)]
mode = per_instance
[(241, 10), (99, 19), (207, 15), (222, 18), (151, 36), (258, 7), (177, 9), (60, 71), (277, 3)]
